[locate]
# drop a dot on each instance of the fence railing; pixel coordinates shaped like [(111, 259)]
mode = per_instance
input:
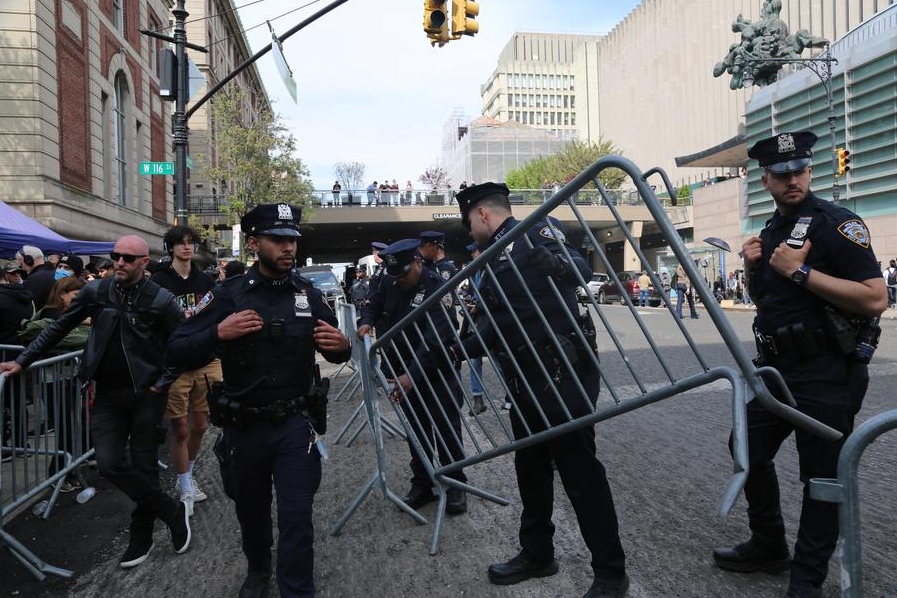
[(43, 441)]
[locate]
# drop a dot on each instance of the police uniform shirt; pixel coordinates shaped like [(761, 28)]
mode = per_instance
[(390, 303), (840, 247), (278, 359), (520, 305)]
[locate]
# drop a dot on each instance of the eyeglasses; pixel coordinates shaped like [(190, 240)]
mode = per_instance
[(129, 258)]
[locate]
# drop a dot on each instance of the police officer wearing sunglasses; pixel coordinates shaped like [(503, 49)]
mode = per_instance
[(819, 292), (267, 324), (132, 319)]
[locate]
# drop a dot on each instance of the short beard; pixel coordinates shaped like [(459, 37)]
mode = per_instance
[(272, 266)]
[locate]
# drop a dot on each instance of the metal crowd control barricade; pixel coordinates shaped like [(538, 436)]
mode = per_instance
[(630, 379), (845, 490), (347, 319), (45, 442)]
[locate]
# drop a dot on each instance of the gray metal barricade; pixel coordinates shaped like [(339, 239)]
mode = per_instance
[(630, 380), (845, 490), (45, 442)]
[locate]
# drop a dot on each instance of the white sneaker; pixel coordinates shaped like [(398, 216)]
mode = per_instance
[(198, 494), (188, 498)]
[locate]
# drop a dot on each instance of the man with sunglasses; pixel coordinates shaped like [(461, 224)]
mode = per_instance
[(268, 325), (819, 292), (132, 319)]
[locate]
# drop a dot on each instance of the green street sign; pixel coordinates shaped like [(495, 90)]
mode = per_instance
[(156, 168)]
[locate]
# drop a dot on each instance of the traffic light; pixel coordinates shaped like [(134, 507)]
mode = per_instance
[(843, 161), (463, 14), (436, 21)]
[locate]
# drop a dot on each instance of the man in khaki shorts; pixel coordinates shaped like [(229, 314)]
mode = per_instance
[(188, 410)]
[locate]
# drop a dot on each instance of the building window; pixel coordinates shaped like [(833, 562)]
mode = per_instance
[(572, 101), (118, 14), (119, 137), (153, 55)]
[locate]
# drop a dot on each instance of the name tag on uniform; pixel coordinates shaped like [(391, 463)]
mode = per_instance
[(300, 305)]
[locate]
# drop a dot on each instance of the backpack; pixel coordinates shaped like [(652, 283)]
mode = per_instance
[(892, 277)]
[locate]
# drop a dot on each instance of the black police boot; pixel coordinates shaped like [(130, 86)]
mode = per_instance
[(604, 588), (752, 556), (456, 501), (803, 592), (520, 568), (255, 585), (419, 496)]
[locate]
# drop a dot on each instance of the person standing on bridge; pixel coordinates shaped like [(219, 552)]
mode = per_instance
[(819, 292), (486, 213)]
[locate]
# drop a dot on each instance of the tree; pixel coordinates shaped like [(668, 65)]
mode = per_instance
[(255, 153), (435, 177), (563, 166), (683, 195), (350, 175)]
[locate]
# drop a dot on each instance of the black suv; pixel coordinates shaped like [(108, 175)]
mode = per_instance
[(325, 281)]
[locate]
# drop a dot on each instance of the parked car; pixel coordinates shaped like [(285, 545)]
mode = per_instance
[(610, 292), (325, 280), (594, 285)]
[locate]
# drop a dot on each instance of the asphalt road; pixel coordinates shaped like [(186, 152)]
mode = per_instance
[(667, 463)]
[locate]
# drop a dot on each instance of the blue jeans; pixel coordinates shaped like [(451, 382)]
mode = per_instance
[(643, 297), (682, 296), (476, 375)]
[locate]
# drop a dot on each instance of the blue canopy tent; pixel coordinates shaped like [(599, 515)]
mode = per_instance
[(17, 229)]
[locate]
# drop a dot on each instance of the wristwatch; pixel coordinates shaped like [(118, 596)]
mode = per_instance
[(799, 276)]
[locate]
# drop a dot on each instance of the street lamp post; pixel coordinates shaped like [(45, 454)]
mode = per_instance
[(822, 66)]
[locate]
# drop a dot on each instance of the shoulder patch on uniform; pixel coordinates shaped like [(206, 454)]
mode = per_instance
[(557, 233), (856, 231), (203, 303)]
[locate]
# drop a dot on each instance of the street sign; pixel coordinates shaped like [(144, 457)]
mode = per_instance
[(156, 168)]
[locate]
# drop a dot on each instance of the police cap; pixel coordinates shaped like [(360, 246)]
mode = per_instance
[(277, 219), (472, 247), (785, 152), (399, 256), (475, 194), (379, 246), (433, 236)]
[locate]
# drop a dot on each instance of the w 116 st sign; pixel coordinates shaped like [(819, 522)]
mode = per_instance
[(156, 168)]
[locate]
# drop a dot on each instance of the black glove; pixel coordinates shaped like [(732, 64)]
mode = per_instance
[(547, 263), (456, 355)]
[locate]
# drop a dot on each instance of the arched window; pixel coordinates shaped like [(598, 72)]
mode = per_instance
[(119, 137)]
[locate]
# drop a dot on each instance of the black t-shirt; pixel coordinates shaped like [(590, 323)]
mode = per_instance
[(188, 292)]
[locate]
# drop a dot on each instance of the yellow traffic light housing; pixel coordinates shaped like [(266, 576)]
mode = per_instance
[(843, 161), (436, 21), (464, 13)]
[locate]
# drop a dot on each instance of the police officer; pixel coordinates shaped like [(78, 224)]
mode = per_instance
[(432, 249), (818, 289), (407, 284), (268, 325), (486, 212)]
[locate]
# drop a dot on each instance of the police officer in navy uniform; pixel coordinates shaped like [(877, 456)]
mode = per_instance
[(406, 285), (486, 212), (432, 249), (267, 324), (818, 289)]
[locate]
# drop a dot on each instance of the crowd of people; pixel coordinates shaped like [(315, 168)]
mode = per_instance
[(178, 346)]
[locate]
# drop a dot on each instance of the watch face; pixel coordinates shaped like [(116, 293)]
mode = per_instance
[(798, 276)]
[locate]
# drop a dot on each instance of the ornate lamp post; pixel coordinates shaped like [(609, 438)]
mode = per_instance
[(822, 66)]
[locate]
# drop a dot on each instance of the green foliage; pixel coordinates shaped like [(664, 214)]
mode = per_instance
[(256, 157), (563, 166), (684, 195)]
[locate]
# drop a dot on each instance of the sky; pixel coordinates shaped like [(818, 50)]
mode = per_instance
[(372, 90)]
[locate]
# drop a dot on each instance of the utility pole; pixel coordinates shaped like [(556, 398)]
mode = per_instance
[(179, 129)]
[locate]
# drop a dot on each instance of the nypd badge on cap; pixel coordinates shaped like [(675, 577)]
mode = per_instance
[(785, 152)]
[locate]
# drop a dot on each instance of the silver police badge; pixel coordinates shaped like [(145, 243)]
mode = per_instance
[(418, 299), (284, 212), (300, 304), (786, 143)]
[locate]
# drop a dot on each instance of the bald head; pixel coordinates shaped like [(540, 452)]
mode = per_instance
[(130, 257)]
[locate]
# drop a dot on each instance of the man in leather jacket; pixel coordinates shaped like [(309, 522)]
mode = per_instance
[(132, 319)]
